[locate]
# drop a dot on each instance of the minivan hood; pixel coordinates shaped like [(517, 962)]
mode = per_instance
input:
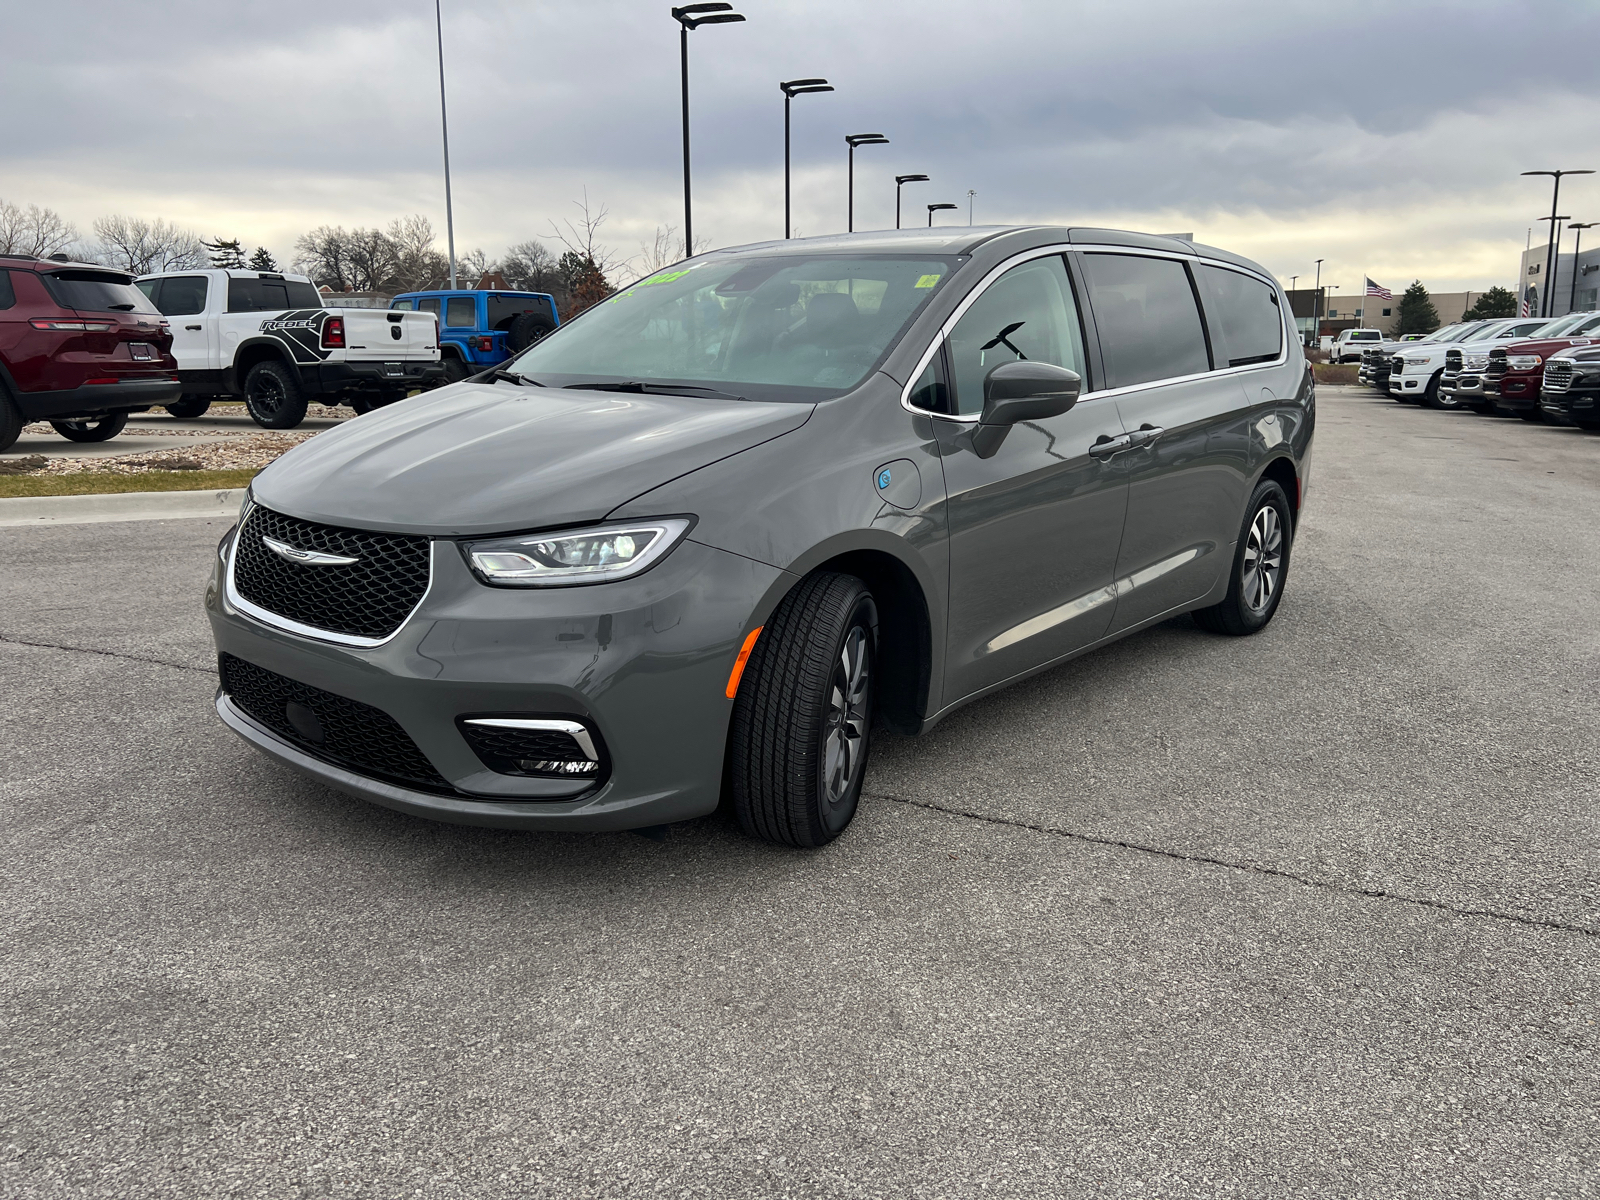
[(490, 458)]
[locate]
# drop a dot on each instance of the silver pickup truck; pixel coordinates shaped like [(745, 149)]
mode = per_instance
[(266, 337)]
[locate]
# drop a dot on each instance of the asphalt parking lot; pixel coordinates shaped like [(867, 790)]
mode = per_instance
[(1315, 913)]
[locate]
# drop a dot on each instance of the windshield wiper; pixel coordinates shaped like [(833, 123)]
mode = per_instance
[(507, 376), (666, 389)]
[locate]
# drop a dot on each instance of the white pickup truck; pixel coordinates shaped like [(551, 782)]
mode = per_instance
[(266, 337)]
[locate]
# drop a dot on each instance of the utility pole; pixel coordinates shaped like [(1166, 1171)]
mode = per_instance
[(970, 195), (1316, 308), (444, 123), (690, 16)]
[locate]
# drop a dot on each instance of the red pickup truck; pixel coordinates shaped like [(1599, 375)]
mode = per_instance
[(1511, 384)]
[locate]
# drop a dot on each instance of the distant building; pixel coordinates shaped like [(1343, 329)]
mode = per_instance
[(1569, 294), (1369, 312)]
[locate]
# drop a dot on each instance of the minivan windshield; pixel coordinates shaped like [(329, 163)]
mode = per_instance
[(778, 327)]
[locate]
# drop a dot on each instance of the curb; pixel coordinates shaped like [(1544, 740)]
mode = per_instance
[(119, 506)]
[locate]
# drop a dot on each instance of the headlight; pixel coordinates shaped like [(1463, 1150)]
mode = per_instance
[(1416, 362), (582, 556), (1523, 362), (1476, 362)]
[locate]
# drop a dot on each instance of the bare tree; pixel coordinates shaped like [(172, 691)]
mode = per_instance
[(582, 238), (530, 267), (324, 254), (372, 259), (143, 247), (33, 230), (418, 265), (473, 266)]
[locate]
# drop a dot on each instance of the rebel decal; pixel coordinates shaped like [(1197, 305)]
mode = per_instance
[(301, 330)]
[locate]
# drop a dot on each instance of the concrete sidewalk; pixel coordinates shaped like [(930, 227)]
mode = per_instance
[(122, 506)]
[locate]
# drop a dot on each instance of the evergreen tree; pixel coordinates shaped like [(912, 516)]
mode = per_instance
[(1496, 302), (1417, 314), (261, 260), (228, 255)]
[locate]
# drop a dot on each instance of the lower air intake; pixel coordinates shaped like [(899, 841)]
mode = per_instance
[(536, 747)]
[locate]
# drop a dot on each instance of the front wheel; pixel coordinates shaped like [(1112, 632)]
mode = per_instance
[(189, 407), (1434, 398), (272, 395), (802, 718), (91, 429), (1260, 566)]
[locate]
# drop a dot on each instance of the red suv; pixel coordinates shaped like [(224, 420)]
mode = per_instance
[(80, 347)]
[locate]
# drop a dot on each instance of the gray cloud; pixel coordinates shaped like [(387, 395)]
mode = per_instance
[(1380, 137)]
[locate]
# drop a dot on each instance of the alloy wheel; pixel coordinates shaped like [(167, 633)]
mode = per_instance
[(1263, 559), (267, 395), (845, 731)]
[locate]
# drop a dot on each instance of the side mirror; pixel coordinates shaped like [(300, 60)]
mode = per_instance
[(1022, 391)]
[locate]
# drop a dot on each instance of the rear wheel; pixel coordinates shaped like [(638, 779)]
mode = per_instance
[(91, 429), (189, 407), (454, 369), (273, 397), (528, 329), (11, 421), (802, 719), (1260, 566)]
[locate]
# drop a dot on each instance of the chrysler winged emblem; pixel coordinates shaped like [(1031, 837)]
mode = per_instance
[(309, 558)]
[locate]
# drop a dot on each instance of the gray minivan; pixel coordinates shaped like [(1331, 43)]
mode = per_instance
[(700, 542)]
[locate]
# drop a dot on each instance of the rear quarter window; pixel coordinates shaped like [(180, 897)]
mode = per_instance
[(96, 291), (1148, 321), (8, 294), (461, 312), (1247, 317), (181, 295)]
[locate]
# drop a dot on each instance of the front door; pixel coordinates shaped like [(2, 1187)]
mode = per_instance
[(182, 300), (1034, 529)]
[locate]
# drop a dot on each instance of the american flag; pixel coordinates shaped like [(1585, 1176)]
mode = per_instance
[(1527, 303), (1374, 290)]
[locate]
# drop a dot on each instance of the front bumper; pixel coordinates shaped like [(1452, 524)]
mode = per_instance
[(644, 660), (1575, 402), (1513, 392), (1466, 387), (1407, 385)]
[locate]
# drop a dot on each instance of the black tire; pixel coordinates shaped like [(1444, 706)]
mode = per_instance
[(11, 421), (273, 396), (1244, 610), (454, 369), (528, 329), (1534, 414), (91, 429), (1432, 398), (189, 407), (802, 721)]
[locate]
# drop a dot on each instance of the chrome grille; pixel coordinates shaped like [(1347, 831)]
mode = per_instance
[(369, 598), (1497, 364), (1557, 375)]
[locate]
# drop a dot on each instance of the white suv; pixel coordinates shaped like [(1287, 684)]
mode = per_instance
[(1351, 342)]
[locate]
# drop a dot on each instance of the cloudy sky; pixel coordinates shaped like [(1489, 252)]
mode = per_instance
[(1383, 137)]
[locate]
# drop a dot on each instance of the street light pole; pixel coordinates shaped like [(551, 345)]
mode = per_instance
[(1550, 248), (1577, 244), (791, 89), (970, 195), (933, 208), (688, 17), (444, 124), (853, 140), (1550, 275), (899, 182), (1316, 307)]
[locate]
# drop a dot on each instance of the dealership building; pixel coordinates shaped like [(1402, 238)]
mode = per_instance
[(1574, 286)]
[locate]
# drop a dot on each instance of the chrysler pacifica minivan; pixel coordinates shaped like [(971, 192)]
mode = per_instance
[(700, 543)]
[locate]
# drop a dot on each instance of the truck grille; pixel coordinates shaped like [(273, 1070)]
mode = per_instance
[(1497, 365), (1557, 376), (1452, 363), (341, 731), (369, 598)]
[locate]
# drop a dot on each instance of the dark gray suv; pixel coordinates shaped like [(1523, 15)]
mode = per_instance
[(701, 541)]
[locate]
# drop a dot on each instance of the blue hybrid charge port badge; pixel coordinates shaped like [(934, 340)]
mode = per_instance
[(899, 482), (883, 478)]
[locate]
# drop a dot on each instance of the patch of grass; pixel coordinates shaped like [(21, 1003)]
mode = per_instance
[(1335, 372), (92, 484)]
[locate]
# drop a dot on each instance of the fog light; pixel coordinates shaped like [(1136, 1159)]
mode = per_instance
[(539, 766)]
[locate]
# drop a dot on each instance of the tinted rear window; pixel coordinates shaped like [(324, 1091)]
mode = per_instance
[(430, 304), (96, 291), (271, 295), (503, 310), (1246, 317), (1148, 321), (8, 296), (461, 312)]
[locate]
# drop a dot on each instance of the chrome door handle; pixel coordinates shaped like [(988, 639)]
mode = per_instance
[(1146, 434), (1105, 447)]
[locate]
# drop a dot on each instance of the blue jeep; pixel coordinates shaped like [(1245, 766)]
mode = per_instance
[(479, 329)]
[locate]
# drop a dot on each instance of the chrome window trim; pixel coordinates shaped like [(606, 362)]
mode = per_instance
[(276, 621), (1289, 333)]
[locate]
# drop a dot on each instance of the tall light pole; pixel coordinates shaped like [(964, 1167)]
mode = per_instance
[(1577, 243), (1550, 251), (970, 195), (444, 125), (1550, 274), (690, 17), (933, 208), (899, 182), (1316, 307), (853, 140), (791, 89)]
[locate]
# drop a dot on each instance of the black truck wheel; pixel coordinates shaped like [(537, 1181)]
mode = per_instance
[(273, 397), (528, 329), (11, 421), (91, 429), (189, 407)]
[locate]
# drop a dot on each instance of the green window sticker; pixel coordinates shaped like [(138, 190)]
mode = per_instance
[(667, 278), (928, 281)]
